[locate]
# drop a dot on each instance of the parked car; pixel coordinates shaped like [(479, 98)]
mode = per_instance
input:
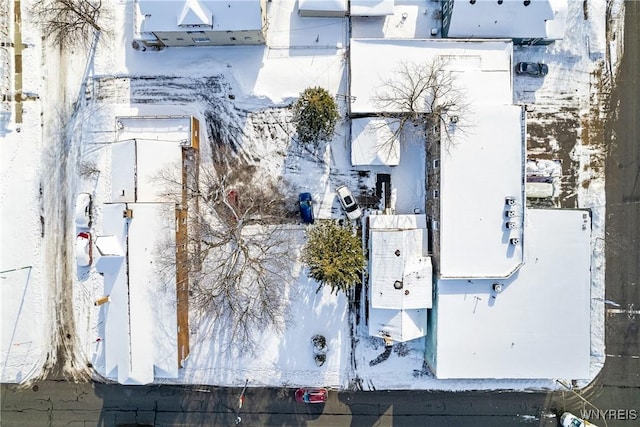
[(83, 249), (535, 69), (311, 395), (569, 420), (348, 203), (305, 201), (83, 210)]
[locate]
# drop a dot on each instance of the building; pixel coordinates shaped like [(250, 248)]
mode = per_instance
[(400, 276), (374, 142), (141, 250), (530, 22), (534, 324), (511, 284), (322, 8), (160, 23)]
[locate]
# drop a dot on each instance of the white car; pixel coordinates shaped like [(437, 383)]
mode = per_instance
[(83, 210), (83, 249), (569, 420), (348, 203)]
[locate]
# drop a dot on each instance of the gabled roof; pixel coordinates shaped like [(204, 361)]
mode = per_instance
[(140, 319), (194, 13), (400, 325), (205, 15)]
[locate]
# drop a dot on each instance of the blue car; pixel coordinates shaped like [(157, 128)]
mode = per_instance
[(306, 207)]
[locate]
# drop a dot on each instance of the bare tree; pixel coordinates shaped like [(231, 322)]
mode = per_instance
[(422, 94), (240, 254), (68, 22)]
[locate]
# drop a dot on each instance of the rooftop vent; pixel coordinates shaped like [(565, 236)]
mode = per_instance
[(397, 284)]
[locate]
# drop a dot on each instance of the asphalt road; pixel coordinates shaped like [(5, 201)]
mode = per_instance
[(623, 216), (616, 390)]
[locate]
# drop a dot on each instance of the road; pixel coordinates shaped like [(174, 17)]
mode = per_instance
[(623, 217)]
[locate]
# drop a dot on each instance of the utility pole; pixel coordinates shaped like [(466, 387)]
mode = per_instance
[(241, 402)]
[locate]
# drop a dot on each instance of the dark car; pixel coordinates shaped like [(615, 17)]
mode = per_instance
[(311, 395), (306, 207), (535, 69)]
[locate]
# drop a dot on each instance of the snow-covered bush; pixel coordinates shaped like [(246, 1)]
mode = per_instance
[(333, 255), (315, 115)]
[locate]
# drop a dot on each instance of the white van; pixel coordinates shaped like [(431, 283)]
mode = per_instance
[(540, 190)]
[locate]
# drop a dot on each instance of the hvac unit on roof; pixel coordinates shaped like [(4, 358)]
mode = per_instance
[(514, 241), (511, 225), (510, 200), (510, 213)]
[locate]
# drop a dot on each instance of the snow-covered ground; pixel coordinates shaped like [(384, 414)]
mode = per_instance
[(249, 88)]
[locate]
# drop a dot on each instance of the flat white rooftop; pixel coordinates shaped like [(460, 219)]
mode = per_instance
[(479, 168), (372, 7), (538, 326), (481, 68), (320, 6), (147, 149), (511, 19), (374, 143)]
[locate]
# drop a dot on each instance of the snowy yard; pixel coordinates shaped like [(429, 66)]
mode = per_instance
[(241, 97)]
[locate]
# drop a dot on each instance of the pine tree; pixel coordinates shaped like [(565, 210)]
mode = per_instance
[(315, 115), (333, 255)]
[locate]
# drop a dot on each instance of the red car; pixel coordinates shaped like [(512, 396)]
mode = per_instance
[(311, 395)]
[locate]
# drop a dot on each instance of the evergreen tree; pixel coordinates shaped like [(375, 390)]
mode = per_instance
[(315, 115), (333, 255)]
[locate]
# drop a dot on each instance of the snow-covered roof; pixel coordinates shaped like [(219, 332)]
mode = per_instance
[(511, 19), (373, 142), (140, 319), (176, 129), (401, 325), (399, 254), (479, 169), (109, 246), (138, 166), (195, 15), (307, 7), (149, 147), (372, 7), (538, 326), (481, 68), (400, 276)]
